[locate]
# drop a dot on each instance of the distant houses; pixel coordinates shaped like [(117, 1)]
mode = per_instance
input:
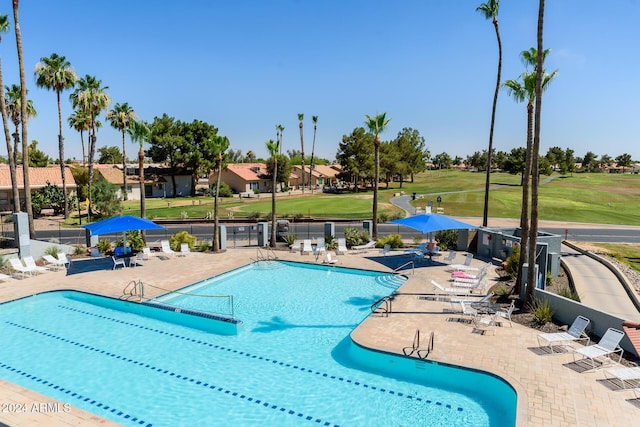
[(38, 178), (158, 180)]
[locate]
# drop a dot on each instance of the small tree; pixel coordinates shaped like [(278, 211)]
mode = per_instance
[(105, 198)]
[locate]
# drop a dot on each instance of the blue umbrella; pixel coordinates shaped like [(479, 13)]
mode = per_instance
[(119, 224), (429, 223)]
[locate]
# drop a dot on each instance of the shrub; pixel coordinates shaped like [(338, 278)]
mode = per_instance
[(354, 237), (290, 238), (569, 293), (182, 237), (203, 246), (298, 216), (512, 262), (447, 239), (417, 238), (51, 250), (550, 279), (382, 218), (254, 215), (541, 310), (103, 246), (502, 293), (330, 242), (394, 240), (79, 250)]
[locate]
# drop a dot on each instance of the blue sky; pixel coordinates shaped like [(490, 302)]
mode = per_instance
[(248, 65)]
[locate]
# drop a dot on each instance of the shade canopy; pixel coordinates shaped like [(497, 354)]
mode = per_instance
[(119, 224), (429, 223)]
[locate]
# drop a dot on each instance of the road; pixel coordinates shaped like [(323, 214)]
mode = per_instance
[(245, 234)]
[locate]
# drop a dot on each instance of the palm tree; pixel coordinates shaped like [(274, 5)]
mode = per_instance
[(220, 144), (313, 146), (139, 132), (274, 149), (490, 11), (121, 118), (376, 126), (55, 73), (80, 121), (24, 115), (15, 194), (90, 97), (533, 231), (13, 102), (526, 91), (300, 119)]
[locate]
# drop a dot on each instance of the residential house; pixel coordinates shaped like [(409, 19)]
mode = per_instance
[(321, 175), (158, 182), (38, 178), (244, 178)]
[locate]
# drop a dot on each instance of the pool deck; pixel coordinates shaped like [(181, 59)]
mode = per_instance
[(551, 389)]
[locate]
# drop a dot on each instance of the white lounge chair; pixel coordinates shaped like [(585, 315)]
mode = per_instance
[(166, 248), (117, 262), (306, 246), (506, 314), (576, 332), (385, 250), (295, 247), (418, 252), (456, 301), (363, 248), (18, 266), (135, 261), (329, 259), (438, 286), (450, 257), (63, 257), (30, 263), (625, 375), (320, 246), (342, 246), (465, 266), (4, 277), (53, 262), (184, 249), (147, 253), (609, 344)]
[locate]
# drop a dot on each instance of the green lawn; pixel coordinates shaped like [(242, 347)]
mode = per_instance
[(590, 198)]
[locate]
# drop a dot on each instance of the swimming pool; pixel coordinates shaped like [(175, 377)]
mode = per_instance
[(290, 363)]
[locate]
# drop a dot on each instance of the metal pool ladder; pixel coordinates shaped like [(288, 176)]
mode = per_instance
[(386, 309), (134, 288)]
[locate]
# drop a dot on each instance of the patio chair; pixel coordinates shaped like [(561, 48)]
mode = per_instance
[(624, 375), (456, 301), (608, 345), (135, 261), (295, 247), (385, 250), (53, 262), (18, 266), (63, 257), (438, 286), (364, 248), (147, 253), (450, 257), (184, 249), (467, 310), (320, 246), (30, 263), (418, 252), (117, 262), (166, 249), (576, 332), (306, 246), (506, 314), (465, 266), (342, 246)]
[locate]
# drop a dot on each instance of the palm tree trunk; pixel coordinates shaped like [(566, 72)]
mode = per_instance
[(485, 213), (92, 150), (61, 152), (15, 194), (524, 215), (302, 154), (273, 202), (84, 155), (374, 228), (313, 148), (533, 231), (25, 138), (124, 167), (216, 237), (143, 212)]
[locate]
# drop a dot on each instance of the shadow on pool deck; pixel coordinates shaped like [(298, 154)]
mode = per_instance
[(88, 265)]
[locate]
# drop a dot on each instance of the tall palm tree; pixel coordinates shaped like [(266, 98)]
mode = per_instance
[(526, 91), (376, 126), (139, 132), (13, 102), (15, 194), (300, 119), (313, 146), (490, 11), (533, 230), (55, 73), (90, 97), (220, 144), (25, 136), (121, 117), (274, 149), (279, 130), (80, 121)]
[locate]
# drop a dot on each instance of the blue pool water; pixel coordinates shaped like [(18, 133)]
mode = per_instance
[(291, 362)]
